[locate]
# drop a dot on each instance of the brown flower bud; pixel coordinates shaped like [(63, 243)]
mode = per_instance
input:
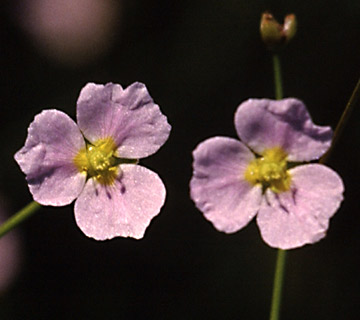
[(275, 35)]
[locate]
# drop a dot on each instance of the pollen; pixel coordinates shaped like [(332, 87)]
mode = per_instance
[(270, 170), (97, 161)]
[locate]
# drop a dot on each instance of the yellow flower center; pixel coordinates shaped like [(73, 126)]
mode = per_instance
[(98, 161), (270, 170)]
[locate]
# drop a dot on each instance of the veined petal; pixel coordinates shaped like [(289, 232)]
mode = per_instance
[(218, 186), (47, 158), (129, 117), (123, 209), (301, 216), (263, 124)]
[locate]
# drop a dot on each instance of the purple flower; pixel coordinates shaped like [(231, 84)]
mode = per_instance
[(233, 181), (95, 161), (71, 32)]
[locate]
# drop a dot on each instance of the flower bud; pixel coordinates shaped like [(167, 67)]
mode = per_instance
[(275, 35)]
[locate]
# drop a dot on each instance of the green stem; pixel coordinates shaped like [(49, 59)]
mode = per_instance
[(277, 77), (280, 261), (19, 217), (278, 284), (343, 120)]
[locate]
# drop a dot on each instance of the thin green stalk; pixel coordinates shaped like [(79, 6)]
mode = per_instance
[(280, 261), (277, 77), (19, 217), (343, 120), (278, 284)]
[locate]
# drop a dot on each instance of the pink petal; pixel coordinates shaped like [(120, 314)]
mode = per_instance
[(124, 209), (129, 116), (218, 187), (47, 158), (264, 123), (292, 219)]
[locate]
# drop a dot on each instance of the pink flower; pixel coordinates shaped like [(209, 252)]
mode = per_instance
[(235, 181), (71, 32), (95, 160)]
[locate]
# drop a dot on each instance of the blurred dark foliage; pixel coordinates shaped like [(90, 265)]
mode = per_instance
[(199, 60)]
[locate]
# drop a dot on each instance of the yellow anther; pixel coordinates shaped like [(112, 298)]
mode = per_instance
[(97, 161), (270, 170)]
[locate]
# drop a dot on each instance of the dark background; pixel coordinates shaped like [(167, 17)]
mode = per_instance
[(199, 60)]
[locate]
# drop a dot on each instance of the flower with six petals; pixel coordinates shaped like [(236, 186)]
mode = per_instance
[(96, 160), (234, 181)]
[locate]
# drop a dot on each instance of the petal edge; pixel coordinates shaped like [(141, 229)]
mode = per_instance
[(286, 123)]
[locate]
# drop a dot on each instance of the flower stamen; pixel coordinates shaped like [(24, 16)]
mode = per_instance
[(98, 161), (270, 170)]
